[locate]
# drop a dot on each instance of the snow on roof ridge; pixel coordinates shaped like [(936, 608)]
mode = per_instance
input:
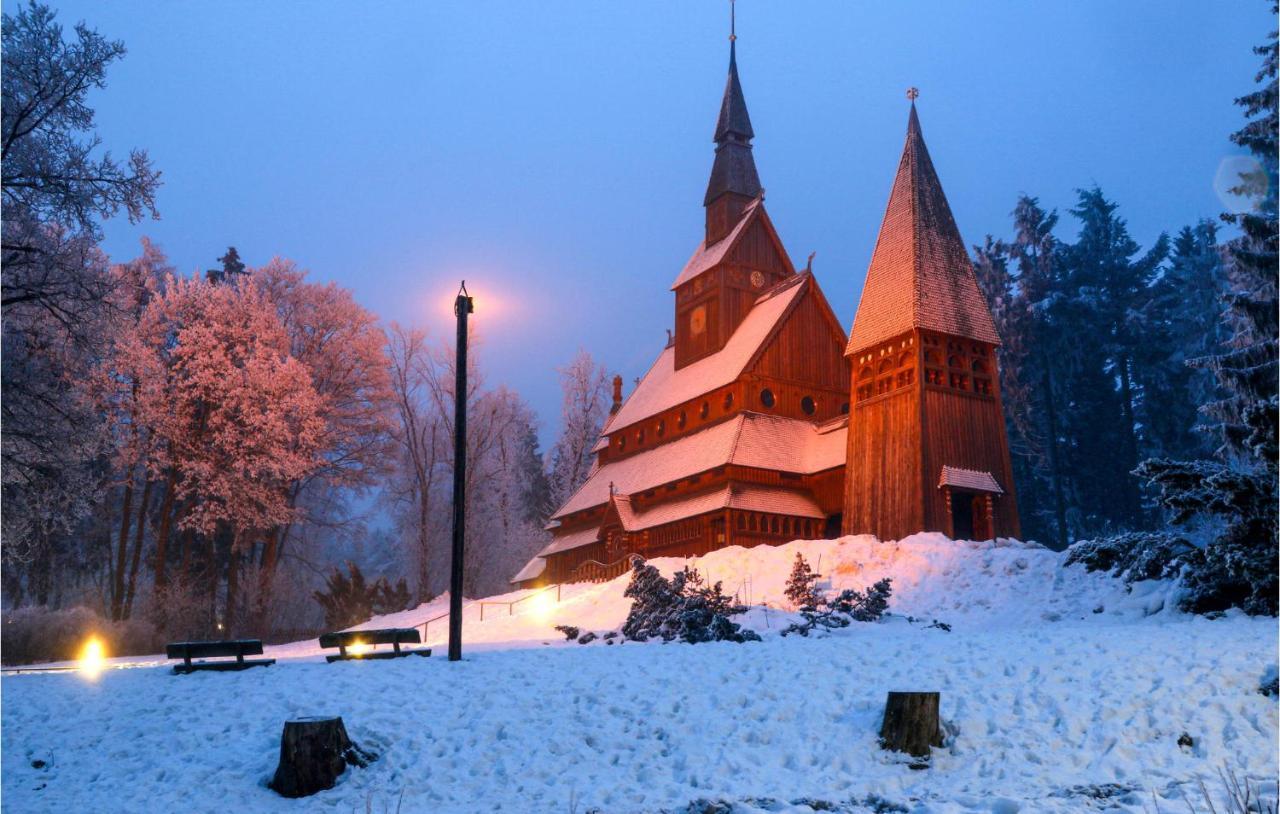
[(664, 387), (705, 257)]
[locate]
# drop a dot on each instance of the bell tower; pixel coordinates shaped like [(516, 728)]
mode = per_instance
[(927, 449), (741, 254)]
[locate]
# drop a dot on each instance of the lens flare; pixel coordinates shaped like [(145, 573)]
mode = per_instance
[(1240, 183), (541, 607), (359, 648), (93, 657)]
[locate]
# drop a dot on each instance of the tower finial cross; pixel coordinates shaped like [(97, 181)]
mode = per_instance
[(733, 34), (913, 93)]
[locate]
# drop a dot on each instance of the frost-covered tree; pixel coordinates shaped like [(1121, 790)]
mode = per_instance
[(57, 187), (1237, 492), (585, 388)]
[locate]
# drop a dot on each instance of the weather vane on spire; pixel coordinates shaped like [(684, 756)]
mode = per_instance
[(733, 34), (913, 93)]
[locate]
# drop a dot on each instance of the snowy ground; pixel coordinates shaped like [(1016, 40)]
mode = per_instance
[(1061, 690)]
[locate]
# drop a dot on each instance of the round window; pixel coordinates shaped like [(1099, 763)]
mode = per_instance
[(728, 401), (661, 429), (766, 397), (640, 437), (808, 405), (844, 408), (704, 410), (682, 419)]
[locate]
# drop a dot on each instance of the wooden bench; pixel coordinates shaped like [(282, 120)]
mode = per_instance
[(203, 650), (395, 637)]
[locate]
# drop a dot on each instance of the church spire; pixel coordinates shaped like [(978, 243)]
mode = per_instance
[(920, 274), (734, 182)]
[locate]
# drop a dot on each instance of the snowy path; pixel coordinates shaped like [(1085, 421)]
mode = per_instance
[(1039, 707)]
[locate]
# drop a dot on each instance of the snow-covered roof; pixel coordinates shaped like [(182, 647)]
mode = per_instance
[(573, 539), (707, 257), (663, 387), (748, 497), (532, 570), (920, 274), (747, 439), (969, 479)]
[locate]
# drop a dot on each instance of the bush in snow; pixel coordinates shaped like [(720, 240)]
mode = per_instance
[(570, 632), (848, 606), (1135, 556), (349, 599), (801, 585), (683, 608), (36, 634)]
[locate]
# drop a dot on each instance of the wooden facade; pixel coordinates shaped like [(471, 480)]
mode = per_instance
[(761, 423), (927, 449)]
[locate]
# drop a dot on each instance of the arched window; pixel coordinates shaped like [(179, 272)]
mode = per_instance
[(931, 358), (766, 398), (955, 361), (905, 359), (980, 368), (808, 405), (886, 365)]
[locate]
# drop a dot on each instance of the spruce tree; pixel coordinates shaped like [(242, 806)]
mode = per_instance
[(800, 589), (1238, 489)]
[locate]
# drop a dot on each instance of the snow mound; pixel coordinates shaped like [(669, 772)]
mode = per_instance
[(969, 585)]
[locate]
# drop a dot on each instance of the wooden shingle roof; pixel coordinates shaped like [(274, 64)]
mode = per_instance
[(920, 274)]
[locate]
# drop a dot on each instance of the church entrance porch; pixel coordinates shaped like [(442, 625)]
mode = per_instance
[(970, 514)]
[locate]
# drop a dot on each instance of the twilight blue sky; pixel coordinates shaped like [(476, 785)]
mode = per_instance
[(555, 154)]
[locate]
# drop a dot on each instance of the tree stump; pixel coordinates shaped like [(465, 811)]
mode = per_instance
[(314, 751), (911, 723)]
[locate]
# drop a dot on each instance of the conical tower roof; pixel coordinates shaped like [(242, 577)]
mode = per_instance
[(920, 274), (734, 169)]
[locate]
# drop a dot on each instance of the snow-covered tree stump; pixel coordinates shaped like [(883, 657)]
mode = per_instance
[(911, 723), (313, 753)]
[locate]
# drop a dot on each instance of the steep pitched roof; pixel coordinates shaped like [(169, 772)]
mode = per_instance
[(920, 274), (707, 257), (734, 169), (747, 439), (664, 387), (969, 479)]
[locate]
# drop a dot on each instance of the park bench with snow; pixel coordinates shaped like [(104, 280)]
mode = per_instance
[(352, 644), (239, 648)]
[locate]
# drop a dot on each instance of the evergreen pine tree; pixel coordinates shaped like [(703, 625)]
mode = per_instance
[(801, 591), (1238, 490)]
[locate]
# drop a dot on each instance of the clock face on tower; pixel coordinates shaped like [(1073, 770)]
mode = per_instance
[(698, 320), (757, 279)]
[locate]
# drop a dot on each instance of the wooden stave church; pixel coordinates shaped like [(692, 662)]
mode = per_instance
[(758, 423)]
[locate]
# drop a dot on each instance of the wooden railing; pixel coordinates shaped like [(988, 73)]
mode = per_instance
[(595, 571), (510, 606)]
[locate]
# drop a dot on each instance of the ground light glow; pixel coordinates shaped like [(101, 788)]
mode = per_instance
[(93, 657), (541, 606), (359, 648)]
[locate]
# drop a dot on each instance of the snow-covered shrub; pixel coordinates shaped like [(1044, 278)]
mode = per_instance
[(801, 588), (35, 634), (683, 608), (348, 599), (570, 632), (848, 606), (1135, 556)]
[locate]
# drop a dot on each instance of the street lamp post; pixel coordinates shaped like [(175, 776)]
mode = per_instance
[(462, 306)]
